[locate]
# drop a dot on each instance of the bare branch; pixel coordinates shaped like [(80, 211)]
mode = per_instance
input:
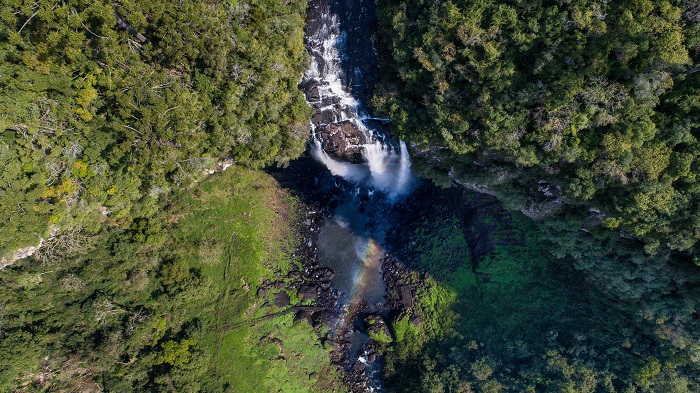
[(25, 23)]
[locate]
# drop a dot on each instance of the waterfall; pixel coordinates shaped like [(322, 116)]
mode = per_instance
[(352, 144), (384, 167)]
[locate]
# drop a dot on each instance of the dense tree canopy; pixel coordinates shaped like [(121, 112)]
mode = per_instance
[(107, 105), (598, 98), (582, 112)]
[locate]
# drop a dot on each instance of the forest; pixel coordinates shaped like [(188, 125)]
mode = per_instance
[(584, 116), (99, 122), (561, 253), (599, 100)]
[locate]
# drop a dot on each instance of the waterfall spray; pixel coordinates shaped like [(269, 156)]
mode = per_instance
[(385, 168), (351, 243)]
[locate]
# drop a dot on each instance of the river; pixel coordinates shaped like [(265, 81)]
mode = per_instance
[(370, 171)]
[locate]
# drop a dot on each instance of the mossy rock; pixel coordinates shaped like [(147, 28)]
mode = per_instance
[(378, 330)]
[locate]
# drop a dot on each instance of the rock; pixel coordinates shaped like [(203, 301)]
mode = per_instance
[(307, 291), (21, 253), (303, 315), (262, 292), (312, 93), (341, 139), (416, 320), (325, 117), (280, 284), (358, 367), (322, 274), (330, 100), (294, 274), (321, 318), (377, 329), (281, 299)]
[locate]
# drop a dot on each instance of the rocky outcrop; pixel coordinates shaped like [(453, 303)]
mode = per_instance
[(378, 329), (220, 166), (342, 140), (21, 253), (544, 202)]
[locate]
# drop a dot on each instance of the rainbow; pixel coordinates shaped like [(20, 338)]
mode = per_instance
[(371, 254)]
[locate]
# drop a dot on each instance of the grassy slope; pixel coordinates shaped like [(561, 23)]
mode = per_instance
[(237, 228), (517, 302)]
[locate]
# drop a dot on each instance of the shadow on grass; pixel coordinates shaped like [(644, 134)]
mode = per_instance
[(497, 310)]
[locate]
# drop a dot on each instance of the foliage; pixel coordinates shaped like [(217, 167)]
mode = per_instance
[(128, 316), (97, 121), (597, 98), (520, 319)]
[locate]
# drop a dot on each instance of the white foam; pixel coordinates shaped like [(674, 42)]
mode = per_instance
[(385, 169)]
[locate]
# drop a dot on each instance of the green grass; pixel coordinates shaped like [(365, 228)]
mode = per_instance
[(512, 304), (236, 230)]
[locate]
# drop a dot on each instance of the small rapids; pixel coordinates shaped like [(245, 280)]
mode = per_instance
[(376, 172)]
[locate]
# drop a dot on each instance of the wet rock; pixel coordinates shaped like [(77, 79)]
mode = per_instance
[(341, 139), (307, 291), (377, 329), (281, 299), (312, 93), (262, 292), (330, 100), (322, 274), (358, 366), (325, 117)]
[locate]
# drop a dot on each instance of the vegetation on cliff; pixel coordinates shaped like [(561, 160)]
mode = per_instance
[(582, 112), (598, 98), (498, 311), (107, 106)]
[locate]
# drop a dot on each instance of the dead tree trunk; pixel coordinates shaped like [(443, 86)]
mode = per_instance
[(131, 30)]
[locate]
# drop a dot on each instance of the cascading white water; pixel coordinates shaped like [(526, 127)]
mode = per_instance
[(350, 144), (384, 168)]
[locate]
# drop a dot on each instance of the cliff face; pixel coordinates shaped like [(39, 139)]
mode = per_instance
[(20, 253)]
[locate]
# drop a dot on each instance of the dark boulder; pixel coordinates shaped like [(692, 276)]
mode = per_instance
[(281, 299), (307, 291), (322, 274)]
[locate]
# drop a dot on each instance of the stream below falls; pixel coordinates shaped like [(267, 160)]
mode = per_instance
[(370, 172)]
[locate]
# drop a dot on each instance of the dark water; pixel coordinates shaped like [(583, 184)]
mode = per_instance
[(357, 21), (366, 188)]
